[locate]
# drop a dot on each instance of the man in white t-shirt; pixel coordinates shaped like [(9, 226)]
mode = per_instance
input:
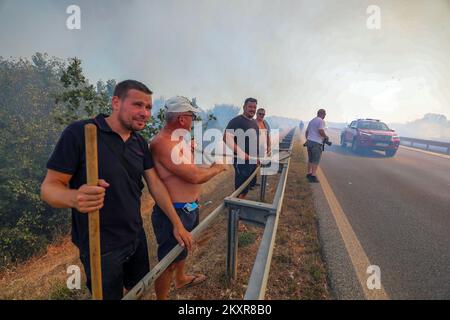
[(315, 135)]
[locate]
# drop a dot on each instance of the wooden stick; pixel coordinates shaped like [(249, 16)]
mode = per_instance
[(90, 133)]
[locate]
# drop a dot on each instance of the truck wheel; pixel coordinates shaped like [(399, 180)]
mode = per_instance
[(355, 147), (343, 143), (390, 153)]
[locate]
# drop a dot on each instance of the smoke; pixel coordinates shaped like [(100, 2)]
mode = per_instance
[(431, 127), (293, 55)]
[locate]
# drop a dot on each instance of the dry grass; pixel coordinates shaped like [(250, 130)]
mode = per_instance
[(40, 276), (297, 270)]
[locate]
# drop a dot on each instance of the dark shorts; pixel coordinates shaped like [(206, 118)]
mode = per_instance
[(241, 174), (121, 268), (163, 229), (314, 151)]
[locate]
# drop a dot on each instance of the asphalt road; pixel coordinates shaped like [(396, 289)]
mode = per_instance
[(399, 209)]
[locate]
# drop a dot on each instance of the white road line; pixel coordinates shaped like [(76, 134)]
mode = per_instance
[(356, 252)]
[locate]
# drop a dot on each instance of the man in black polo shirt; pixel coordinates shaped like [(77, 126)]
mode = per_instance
[(242, 136), (124, 158)]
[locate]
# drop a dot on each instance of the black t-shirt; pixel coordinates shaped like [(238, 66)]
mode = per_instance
[(120, 217), (250, 130)]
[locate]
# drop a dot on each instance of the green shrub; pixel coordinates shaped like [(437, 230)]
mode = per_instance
[(28, 133), (59, 291), (246, 239)]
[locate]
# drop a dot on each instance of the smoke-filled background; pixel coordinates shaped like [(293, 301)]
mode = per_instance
[(294, 56)]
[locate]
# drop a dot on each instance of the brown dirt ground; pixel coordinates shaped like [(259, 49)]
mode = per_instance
[(297, 270)]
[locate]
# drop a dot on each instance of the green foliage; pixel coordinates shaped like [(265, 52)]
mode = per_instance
[(28, 135), (155, 124), (78, 99), (59, 291), (246, 239), (17, 244)]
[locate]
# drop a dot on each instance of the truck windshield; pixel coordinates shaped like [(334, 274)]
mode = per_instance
[(371, 125)]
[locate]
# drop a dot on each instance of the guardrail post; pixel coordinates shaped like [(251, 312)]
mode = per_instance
[(232, 244), (263, 187)]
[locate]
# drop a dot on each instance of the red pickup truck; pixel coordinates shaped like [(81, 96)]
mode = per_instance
[(370, 134)]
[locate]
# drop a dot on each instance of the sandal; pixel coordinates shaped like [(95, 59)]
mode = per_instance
[(197, 279)]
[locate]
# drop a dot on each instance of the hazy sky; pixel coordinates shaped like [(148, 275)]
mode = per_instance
[(294, 56)]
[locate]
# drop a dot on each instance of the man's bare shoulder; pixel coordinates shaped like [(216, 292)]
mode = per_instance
[(154, 141), (161, 144)]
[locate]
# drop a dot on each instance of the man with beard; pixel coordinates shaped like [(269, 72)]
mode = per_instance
[(242, 136), (123, 159)]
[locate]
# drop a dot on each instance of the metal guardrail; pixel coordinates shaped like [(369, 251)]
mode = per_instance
[(258, 279), (262, 214), (427, 143)]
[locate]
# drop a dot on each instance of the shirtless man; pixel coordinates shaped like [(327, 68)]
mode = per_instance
[(183, 179)]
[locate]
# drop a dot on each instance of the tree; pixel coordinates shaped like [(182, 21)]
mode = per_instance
[(79, 99), (28, 135), (155, 124)]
